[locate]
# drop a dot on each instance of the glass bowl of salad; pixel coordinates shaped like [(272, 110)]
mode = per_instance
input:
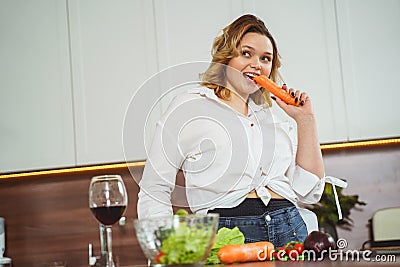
[(184, 239)]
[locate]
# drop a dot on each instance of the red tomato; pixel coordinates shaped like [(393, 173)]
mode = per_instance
[(299, 247), (158, 257), (292, 254), (294, 249)]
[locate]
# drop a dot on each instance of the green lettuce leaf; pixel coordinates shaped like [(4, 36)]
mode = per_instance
[(225, 236)]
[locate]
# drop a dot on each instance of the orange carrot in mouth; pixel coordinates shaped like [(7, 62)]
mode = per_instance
[(275, 90), (257, 251)]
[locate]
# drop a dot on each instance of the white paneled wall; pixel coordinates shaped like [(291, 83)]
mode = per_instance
[(36, 117), (70, 69), (369, 43), (186, 29), (113, 50)]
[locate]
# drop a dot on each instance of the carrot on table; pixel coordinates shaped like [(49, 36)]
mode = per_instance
[(275, 90), (257, 251)]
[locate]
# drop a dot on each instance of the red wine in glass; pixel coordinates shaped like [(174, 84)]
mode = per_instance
[(108, 215), (108, 200)]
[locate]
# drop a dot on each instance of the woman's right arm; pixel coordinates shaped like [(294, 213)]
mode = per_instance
[(159, 175)]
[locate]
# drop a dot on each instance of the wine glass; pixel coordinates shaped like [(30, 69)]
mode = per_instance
[(107, 201)]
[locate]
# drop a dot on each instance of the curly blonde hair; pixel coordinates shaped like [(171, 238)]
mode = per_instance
[(225, 47)]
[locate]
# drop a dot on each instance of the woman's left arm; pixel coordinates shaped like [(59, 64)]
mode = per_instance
[(309, 155)]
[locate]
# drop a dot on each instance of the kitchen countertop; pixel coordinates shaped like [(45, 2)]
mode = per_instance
[(375, 260)]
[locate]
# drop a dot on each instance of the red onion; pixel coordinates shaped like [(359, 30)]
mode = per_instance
[(318, 242)]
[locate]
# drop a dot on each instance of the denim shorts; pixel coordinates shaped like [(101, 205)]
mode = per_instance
[(278, 227)]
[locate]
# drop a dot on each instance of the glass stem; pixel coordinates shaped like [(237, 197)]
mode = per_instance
[(110, 261), (103, 240)]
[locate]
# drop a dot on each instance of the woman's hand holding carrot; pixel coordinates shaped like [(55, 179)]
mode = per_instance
[(298, 113), (294, 103), (274, 89)]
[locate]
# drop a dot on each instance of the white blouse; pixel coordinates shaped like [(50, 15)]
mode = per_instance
[(224, 155)]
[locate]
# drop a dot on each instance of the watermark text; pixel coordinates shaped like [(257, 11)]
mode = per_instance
[(339, 254)]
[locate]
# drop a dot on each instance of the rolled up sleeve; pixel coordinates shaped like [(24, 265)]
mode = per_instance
[(307, 186)]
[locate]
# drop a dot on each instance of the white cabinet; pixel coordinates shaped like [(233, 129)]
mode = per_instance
[(369, 44), (113, 51), (186, 29), (36, 115)]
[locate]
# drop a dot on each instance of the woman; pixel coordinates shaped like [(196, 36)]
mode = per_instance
[(238, 159)]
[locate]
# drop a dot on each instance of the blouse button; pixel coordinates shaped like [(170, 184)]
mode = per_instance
[(252, 124)]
